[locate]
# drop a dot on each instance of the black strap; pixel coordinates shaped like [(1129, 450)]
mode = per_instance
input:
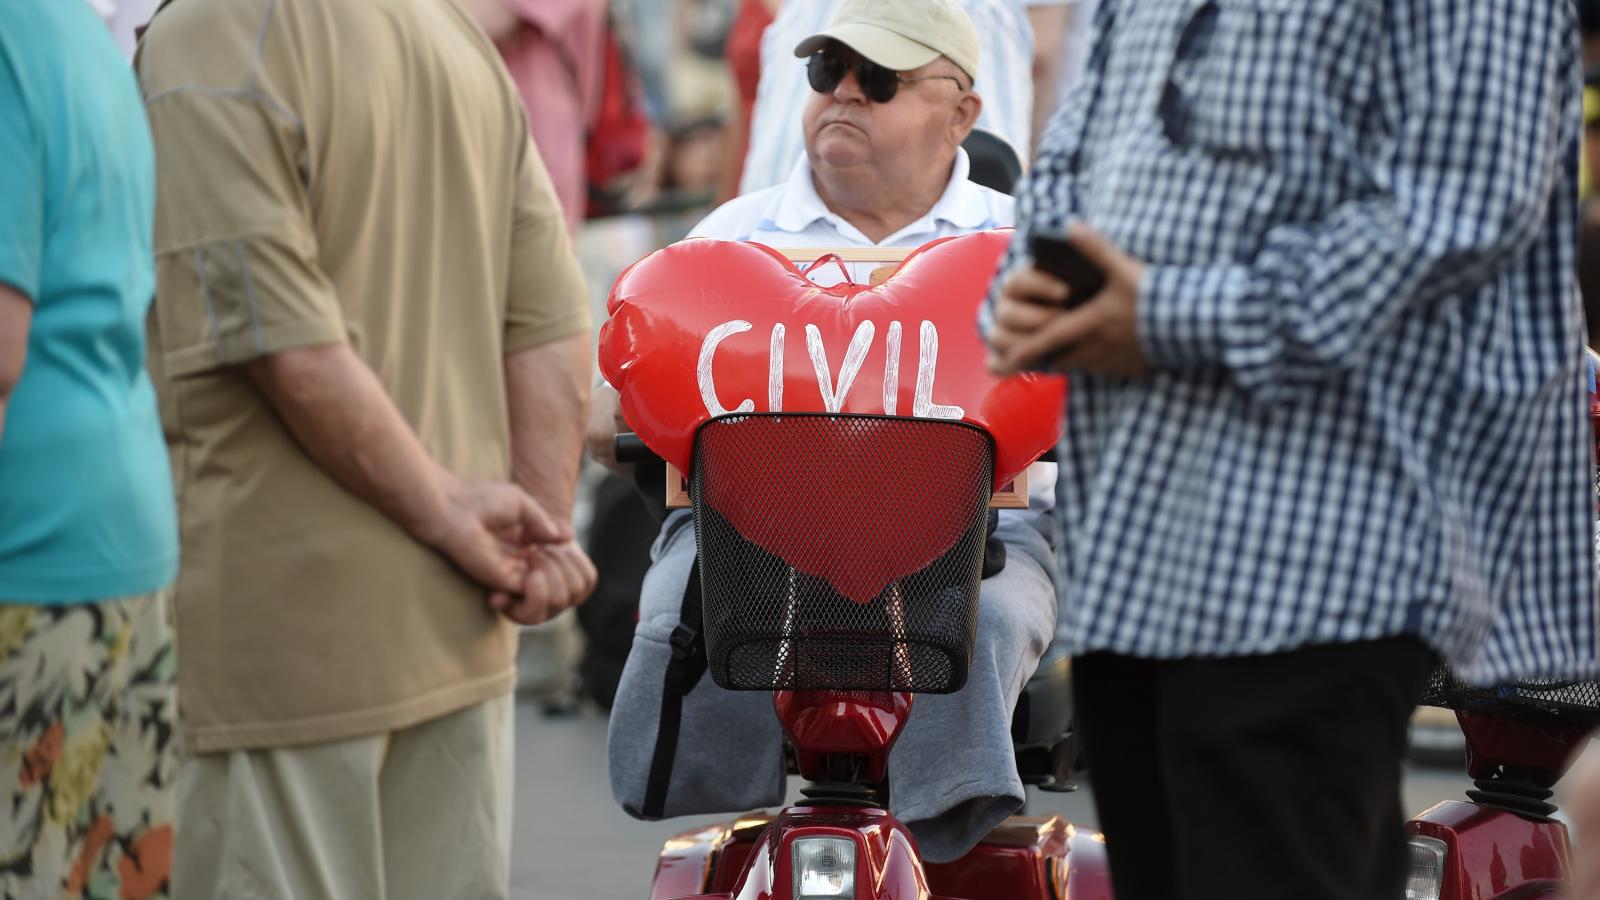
[(994, 550), (650, 477), (138, 34), (688, 664)]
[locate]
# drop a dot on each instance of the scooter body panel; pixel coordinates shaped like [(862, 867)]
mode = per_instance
[(751, 859), (1029, 858), (862, 725), (1540, 751), (686, 862), (1492, 854), (887, 863)]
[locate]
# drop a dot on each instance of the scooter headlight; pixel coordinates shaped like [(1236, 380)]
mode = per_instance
[(1425, 879), (824, 867)]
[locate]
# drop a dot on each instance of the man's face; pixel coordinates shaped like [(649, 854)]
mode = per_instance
[(919, 127)]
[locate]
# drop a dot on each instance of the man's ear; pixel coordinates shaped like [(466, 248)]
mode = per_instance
[(965, 115)]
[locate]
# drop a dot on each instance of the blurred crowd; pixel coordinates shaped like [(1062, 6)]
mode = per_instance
[(646, 115)]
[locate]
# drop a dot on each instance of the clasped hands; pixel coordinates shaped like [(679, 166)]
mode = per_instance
[(499, 535), (1034, 327)]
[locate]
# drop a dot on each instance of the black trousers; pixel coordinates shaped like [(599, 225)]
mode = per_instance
[(1253, 778)]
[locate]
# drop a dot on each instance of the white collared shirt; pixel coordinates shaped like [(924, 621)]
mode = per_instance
[(791, 215)]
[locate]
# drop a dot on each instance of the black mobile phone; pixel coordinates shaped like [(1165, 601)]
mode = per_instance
[(1054, 254)]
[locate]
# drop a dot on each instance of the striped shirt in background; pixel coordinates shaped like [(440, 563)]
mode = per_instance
[(1369, 414), (1005, 81), (1075, 50)]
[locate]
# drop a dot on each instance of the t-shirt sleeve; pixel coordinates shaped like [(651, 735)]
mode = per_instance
[(21, 184), (236, 253), (548, 299)]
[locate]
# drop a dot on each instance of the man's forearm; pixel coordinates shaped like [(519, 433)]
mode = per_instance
[(16, 319), (1050, 25), (337, 409), (547, 390)]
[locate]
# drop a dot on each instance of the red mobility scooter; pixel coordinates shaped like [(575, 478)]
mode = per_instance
[(844, 675)]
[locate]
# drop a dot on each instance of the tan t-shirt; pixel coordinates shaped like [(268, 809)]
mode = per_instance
[(337, 170)]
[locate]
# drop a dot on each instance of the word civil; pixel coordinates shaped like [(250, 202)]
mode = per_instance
[(833, 392)]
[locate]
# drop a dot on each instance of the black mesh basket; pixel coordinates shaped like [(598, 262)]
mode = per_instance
[(840, 552), (1569, 703)]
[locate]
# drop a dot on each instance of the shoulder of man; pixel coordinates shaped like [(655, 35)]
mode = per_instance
[(1002, 207), (28, 41), (207, 44), (740, 217), (982, 208), (39, 40)]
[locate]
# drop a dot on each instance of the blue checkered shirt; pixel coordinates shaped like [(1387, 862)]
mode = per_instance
[(1368, 417)]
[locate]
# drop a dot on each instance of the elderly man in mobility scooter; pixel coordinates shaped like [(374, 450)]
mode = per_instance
[(894, 99)]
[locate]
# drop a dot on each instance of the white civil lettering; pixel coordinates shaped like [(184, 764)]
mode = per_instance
[(833, 395), (891, 370), (708, 388), (922, 405), (775, 370)]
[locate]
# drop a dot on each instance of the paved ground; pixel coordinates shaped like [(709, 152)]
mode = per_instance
[(573, 843)]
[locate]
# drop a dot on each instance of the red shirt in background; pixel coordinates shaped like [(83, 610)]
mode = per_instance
[(744, 59), (557, 61)]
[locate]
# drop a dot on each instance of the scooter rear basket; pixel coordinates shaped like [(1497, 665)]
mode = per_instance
[(840, 552), (1571, 702)]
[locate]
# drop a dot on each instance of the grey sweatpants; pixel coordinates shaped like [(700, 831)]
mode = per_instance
[(952, 775)]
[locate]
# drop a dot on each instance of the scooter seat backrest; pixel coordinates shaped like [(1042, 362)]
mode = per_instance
[(840, 552)]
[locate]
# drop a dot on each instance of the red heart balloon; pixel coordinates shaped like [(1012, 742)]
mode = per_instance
[(704, 327)]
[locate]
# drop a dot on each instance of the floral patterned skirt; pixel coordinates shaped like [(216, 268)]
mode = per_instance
[(88, 757)]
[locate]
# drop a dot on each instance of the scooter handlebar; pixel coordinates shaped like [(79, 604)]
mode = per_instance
[(630, 449)]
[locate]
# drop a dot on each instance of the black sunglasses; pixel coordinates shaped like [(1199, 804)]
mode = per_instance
[(826, 68)]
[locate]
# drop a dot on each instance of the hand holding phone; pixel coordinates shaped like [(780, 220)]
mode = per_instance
[(1053, 254)]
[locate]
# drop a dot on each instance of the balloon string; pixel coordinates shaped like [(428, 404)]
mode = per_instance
[(825, 259)]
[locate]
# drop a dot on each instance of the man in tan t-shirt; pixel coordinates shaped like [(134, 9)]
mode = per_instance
[(371, 347)]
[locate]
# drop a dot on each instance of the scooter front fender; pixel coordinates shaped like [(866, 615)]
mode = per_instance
[(1023, 859), (888, 866), (1492, 854)]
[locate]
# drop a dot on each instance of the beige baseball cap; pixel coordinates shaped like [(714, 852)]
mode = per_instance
[(902, 34)]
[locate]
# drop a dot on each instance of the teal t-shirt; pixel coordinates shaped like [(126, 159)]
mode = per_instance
[(86, 503)]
